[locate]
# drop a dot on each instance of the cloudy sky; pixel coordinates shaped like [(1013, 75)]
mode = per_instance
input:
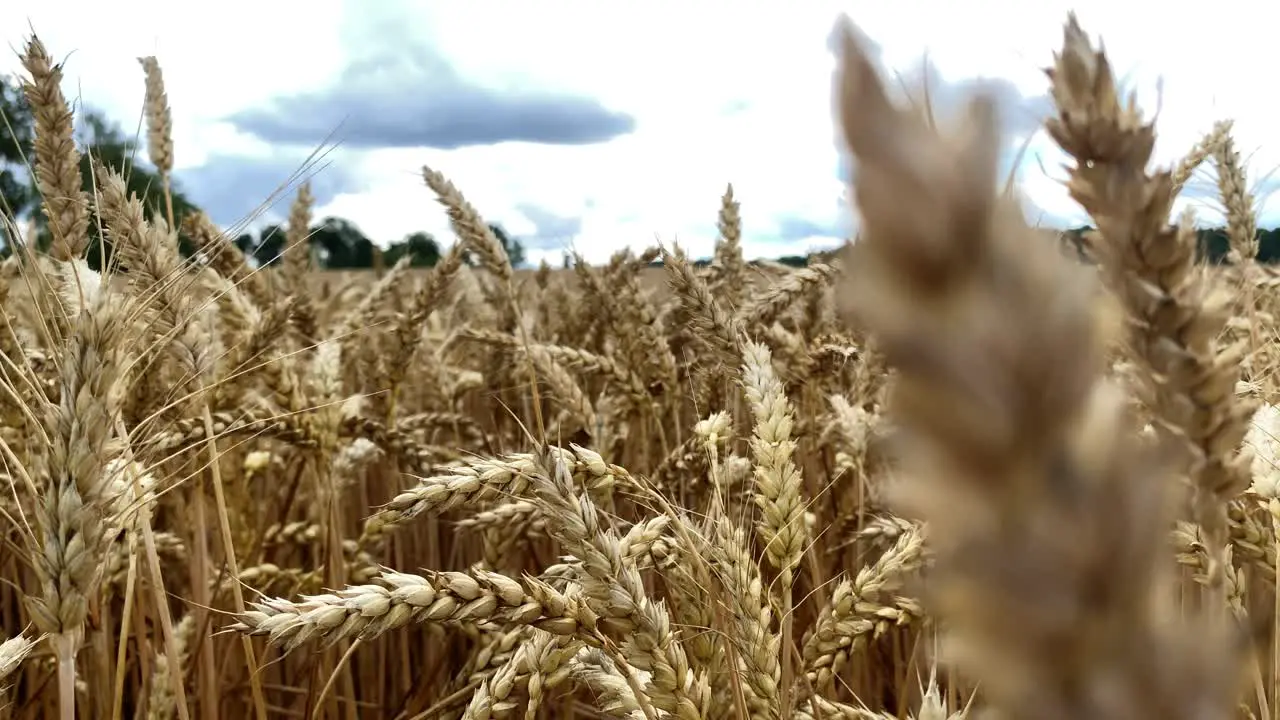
[(598, 125)]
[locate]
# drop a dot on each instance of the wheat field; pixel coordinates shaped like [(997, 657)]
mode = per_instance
[(948, 471)]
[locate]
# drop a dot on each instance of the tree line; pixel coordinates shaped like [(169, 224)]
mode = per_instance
[(336, 243), (1212, 242)]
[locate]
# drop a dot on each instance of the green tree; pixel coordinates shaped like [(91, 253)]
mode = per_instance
[(246, 242), (514, 248), (99, 140), (107, 143), (264, 248), (17, 134), (1213, 244), (1269, 246), (423, 250), (341, 244), (337, 244)]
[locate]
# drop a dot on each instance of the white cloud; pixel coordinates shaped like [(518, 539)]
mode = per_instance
[(720, 93)]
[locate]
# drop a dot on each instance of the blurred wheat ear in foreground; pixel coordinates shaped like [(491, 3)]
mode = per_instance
[(949, 470)]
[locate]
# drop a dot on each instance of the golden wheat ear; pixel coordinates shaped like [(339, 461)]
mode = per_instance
[(879, 133), (933, 194), (863, 111)]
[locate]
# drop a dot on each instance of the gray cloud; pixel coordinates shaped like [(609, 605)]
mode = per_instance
[(409, 96), (398, 91), (792, 228), (552, 231), (231, 188), (1020, 115), (1203, 186)]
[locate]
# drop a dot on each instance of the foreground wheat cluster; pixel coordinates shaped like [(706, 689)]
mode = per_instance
[(951, 472)]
